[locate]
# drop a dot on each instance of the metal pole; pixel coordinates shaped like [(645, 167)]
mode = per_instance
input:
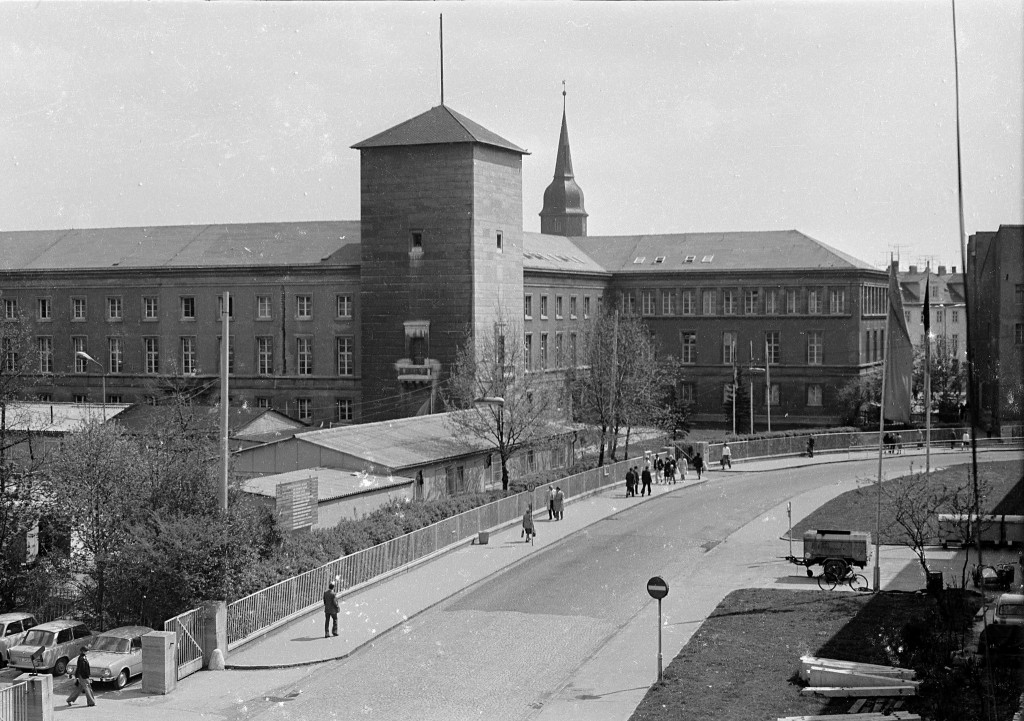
[(881, 429), (751, 387), (768, 386), (103, 383), (927, 387), (225, 347), (660, 672)]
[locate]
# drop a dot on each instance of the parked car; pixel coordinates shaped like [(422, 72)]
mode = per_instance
[(53, 644), (115, 656), (1009, 610), (12, 630)]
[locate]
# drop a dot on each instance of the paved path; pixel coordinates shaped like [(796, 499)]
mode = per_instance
[(271, 671)]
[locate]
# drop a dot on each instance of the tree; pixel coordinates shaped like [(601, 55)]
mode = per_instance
[(494, 367), (673, 412), (860, 394), (949, 377)]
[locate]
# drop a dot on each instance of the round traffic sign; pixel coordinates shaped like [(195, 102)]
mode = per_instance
[(657, 587)]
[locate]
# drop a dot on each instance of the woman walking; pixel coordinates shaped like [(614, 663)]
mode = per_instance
[(528, 530)]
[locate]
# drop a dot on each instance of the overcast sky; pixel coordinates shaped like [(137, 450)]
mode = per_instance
[(834, 118)]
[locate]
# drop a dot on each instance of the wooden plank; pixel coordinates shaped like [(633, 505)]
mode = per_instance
[(840, 677), (857, 705), (869, 716), (858, 691), (806, 662)]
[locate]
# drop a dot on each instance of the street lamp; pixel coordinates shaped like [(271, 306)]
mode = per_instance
[(86, 357)]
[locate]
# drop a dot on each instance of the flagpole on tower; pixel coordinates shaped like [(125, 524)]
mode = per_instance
[(927, 372)]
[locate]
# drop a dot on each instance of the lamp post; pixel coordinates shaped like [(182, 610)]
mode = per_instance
[(88, 358)]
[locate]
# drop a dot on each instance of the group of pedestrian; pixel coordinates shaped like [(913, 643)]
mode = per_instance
[(666, 470), (556, 502), (893, 443)]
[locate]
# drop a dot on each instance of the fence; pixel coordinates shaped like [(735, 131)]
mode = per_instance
[(260, 612), (189, 628), (14, 702)]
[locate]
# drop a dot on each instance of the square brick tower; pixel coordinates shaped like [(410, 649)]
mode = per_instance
[(442, 254)]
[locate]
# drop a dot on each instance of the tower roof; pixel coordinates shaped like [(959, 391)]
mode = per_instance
[(438, 126), (563, 197)]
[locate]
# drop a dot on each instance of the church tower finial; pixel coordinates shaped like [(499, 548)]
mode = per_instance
[(563, 212)]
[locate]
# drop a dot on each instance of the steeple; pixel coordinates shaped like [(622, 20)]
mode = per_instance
[(563, 212)]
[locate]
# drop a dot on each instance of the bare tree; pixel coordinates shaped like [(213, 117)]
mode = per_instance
[(495, 397)]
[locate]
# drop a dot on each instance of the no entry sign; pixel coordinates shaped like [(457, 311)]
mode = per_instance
[(657, 588)]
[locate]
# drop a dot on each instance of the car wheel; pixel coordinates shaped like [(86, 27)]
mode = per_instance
[(122, 679), (60, 667)]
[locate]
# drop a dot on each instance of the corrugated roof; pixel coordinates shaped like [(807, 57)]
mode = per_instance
[(57, 417), (331, 483), (239, 245), (702, 252), (401, 443), (555, 253), (438, 126)]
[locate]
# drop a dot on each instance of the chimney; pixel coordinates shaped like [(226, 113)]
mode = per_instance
[(913, 269), (942, 270)]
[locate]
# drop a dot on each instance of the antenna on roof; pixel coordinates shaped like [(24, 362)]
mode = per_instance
[(563, 96), (441, 26)]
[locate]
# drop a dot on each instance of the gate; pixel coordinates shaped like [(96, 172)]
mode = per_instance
[(188, 628), (14, 702)]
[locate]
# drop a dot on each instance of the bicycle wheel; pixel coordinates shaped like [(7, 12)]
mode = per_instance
[(826, 582), (859, 582)]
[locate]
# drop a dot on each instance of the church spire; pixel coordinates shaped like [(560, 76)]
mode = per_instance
[(563, 212)]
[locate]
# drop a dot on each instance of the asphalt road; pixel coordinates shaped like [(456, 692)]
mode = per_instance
[(511, 648)]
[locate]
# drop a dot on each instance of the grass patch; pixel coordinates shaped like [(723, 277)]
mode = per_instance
[(743, 661), (855, 510)]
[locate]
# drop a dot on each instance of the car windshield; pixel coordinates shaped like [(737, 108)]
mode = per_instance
[(112, 644), (1011, 609), (36, 637)]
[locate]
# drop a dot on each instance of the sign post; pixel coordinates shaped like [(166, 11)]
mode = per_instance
[(657, 588)]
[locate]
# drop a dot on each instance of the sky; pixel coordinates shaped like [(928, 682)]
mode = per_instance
[(836, 118)]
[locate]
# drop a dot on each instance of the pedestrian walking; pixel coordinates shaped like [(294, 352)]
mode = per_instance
[(645, 479), (681, 468), (810, 446), (631, 482), (965, 440), (528, 530), (698, 464), (726, 457), (666, 471), (559, 503), (331, 610), (551, 503), (83, 684)]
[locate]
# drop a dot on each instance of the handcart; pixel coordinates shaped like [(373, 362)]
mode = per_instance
[(837, 552)]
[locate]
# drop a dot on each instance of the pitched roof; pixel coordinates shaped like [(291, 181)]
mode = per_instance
[(331, 483), (438, 126), (244, 422), (225, 245), (39, 417), (950, 287), (556, 253), (703, 252)]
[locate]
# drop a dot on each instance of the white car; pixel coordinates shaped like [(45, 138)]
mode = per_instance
[(13, 627), (115, 656), (1009, 610)]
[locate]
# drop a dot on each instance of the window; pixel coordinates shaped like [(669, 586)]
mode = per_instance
[(814, 395), (687, 392), (44, 310), (344, 345), (231, 353), (689, 259), (558, 306), (729, 301), (814, 347), (10, 308), (10, 355), (455, 479), (586, 306), (528, 306), (78, 398), (220, 307), (956, 316), (543, 307), (114, 312), (559, 351), (751, 296), (686, 302), (791, 298), (772, 353), (572, 307), (1018, 293), (263, 307), (344, 305), (188, 354), (150, 308), (837, 301), (543, 350), (343, 410), (938, 316), (814, 301), (628, 302), (188, 308), (668, 302), (263, 402), (304, 356), (771, 302), (528, 351), (647, 302), (78, 346), (44, 347), (689, 350), (304, 409), (497, 240), (707, 302), (264, 355), (152, 349), (78, 309), (906, 316), (728, 347), (572, 349), (773, 394), (304, 307), (955, 343), (115, 355), (416, 242)]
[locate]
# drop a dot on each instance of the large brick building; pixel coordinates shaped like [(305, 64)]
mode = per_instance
[(348, 321)]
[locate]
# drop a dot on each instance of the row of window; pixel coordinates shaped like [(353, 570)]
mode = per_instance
[(954, 316), (729, 301), (574, 307), (263, 308), (813, 394), (187, 352)]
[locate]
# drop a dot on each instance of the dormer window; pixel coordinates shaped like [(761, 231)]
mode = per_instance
[(497, 239), (707, 259), (639, 261), (690, 259), (659, 259), (416, 242)]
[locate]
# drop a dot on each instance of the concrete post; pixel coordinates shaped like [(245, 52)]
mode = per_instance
[(159, 662), (40, 696), (215, 630)]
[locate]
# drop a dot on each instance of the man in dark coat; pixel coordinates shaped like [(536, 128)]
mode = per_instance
[(645, 480), (83, 684), (630, 483), (330, 611)]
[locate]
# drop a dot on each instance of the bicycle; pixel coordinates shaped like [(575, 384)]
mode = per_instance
[(838, 574)]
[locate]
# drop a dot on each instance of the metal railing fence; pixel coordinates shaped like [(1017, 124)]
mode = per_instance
[(269, 608), (14, 702), (189, 629)]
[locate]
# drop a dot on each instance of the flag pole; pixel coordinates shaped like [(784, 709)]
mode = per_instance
[(927, 374), (881, 428), (768, 385)]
